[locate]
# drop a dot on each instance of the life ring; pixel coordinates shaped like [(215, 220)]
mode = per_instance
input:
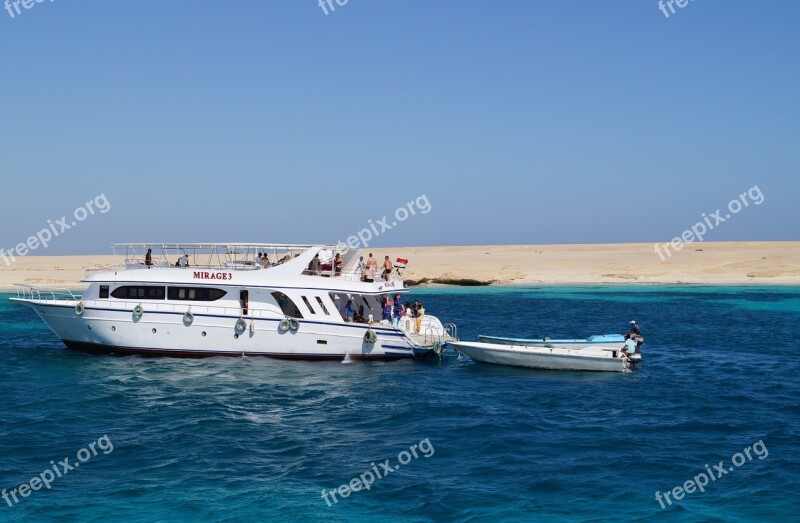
[(295, 324), (188, 318), (370, 336), (284, 325), (241, 325), (79, 308), (138, 311)]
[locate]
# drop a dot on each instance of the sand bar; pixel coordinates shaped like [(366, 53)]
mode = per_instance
[(763, 263)]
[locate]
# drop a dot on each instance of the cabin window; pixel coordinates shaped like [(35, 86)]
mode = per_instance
[(287, 306), (103, 291), (322, 306), (139, 292), (308, 304), (195, 293)]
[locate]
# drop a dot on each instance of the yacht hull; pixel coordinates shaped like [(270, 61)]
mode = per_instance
[(162, 333)]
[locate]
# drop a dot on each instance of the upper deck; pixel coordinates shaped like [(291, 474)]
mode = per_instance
[(238, 264)]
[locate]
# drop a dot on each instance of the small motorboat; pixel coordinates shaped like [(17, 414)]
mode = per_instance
[(615, 341), (594, 358)]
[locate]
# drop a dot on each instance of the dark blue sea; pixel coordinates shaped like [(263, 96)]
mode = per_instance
[(260, 440)]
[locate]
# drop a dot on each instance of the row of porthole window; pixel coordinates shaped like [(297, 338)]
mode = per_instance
[(113, 328)]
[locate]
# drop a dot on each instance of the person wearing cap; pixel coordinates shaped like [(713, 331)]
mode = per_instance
[(636, 335)]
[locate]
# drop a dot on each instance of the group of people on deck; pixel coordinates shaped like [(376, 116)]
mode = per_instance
[(391, 311), (369, 269), (263, 260)]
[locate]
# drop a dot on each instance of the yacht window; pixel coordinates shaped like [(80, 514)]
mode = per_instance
[(195, 293), (103, 291), (308, 304), (322, 305), (287, 306), (139, 292)]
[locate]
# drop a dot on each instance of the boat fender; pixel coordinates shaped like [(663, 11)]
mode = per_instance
[(252, 326), (284, 325), (188, 318), (241, 325), (370, 336), (295, 324), (138, 311), (437, 348), (79, 308)]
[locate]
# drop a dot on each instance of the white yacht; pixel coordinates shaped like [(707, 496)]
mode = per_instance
[(198, 300)]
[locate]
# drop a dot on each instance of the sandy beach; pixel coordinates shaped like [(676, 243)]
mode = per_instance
[(762, 263)]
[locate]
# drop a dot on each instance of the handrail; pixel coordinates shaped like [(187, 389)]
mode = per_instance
[(30, 292)]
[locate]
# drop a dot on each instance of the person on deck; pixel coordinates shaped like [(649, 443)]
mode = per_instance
[(338, 263), (359, 318), (314, 265), (148, 258), (397, 310), (386, 312), (417, 311), (372, 266), (360, 266), (387, 268)]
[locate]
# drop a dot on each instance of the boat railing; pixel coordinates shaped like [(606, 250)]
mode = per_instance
[(45, 294), (451, 331)]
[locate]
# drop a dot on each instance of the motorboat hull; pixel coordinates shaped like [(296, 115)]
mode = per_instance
[(615, 341), (586, 359)]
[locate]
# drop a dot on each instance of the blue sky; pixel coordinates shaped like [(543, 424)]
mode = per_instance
[(521, 121)]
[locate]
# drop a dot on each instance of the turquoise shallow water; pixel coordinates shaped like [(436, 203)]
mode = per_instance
[(257, 439)]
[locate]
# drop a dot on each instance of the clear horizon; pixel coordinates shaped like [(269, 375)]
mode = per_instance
[(520, 124)]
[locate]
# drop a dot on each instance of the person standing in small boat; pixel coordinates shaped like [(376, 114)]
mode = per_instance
[(635, 334)]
